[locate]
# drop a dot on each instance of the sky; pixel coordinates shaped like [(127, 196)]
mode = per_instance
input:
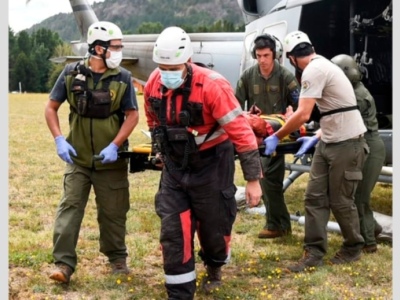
[(23, 16)]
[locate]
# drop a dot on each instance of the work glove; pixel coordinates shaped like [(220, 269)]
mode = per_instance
[(109, 153), (270, 144), (64, 149), (307, 143), (257, 124)]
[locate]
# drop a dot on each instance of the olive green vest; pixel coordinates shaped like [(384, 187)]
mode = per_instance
[(91, 135)]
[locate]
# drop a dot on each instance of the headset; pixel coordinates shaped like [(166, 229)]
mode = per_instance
[(265, 37)]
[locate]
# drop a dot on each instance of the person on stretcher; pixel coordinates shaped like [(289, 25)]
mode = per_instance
[(265, 125)]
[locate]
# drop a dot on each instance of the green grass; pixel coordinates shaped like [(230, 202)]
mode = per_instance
[(257, 268)]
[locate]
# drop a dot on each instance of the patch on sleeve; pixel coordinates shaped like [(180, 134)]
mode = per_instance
[(292, 85), (305, 85), (214, 76)]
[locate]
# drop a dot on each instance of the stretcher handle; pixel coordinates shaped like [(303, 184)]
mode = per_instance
[(121, 154)]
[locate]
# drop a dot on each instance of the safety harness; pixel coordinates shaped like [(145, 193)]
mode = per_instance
[(178, 142), (94, 103), (177, 133), (334, 111)]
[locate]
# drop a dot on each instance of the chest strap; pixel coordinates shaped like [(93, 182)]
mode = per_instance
[(334, 111)]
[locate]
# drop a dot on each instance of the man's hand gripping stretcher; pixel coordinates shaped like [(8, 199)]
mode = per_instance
[(298, 142)]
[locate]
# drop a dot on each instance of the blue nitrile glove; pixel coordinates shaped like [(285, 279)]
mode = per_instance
[(270, 144), (110, 153), (64, 149), (307, 143)]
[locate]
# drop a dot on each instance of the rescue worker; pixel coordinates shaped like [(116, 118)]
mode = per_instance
[(340, 152), (270, 88), (369, 227), (196, 122), (103, 113)]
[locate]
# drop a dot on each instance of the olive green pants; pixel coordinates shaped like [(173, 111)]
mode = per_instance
[(336, 170), (277, 214), (371, 171), (111, 188)]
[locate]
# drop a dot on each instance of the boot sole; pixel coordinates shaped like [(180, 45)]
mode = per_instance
[(342, 261), (293, 269), (60, 277), (208, 288), (370, 249)]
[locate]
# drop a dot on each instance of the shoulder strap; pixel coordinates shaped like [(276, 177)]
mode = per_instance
[(79, 68), (163, 111), (79, 81), (212, 130), (342, 109)]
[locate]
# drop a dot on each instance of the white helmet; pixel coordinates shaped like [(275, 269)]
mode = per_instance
[(278, 48), (172, 47), (293, 39), (103, 31)]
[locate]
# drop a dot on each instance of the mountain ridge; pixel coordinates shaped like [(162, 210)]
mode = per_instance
[(130, 14)]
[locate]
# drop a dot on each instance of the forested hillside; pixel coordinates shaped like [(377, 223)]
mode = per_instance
[(29, 50), (193, 15)]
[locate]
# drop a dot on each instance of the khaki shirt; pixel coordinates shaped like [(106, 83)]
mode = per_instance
[(327, 83)]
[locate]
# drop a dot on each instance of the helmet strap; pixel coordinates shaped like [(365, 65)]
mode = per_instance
[(103, 55), (294, 63)]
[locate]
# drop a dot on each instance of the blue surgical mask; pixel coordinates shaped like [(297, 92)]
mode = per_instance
[(171, 79)]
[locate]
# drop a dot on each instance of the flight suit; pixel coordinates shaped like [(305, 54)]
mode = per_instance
[(272, 95), (372, 166)]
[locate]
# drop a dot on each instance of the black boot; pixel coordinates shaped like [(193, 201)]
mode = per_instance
[(212, 279)]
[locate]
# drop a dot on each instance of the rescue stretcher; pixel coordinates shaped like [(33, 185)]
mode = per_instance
[(141, 157)]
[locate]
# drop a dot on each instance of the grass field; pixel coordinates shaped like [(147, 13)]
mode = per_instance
[(257, 268)]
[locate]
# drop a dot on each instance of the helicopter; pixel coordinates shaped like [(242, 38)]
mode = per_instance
[(360, 28)]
